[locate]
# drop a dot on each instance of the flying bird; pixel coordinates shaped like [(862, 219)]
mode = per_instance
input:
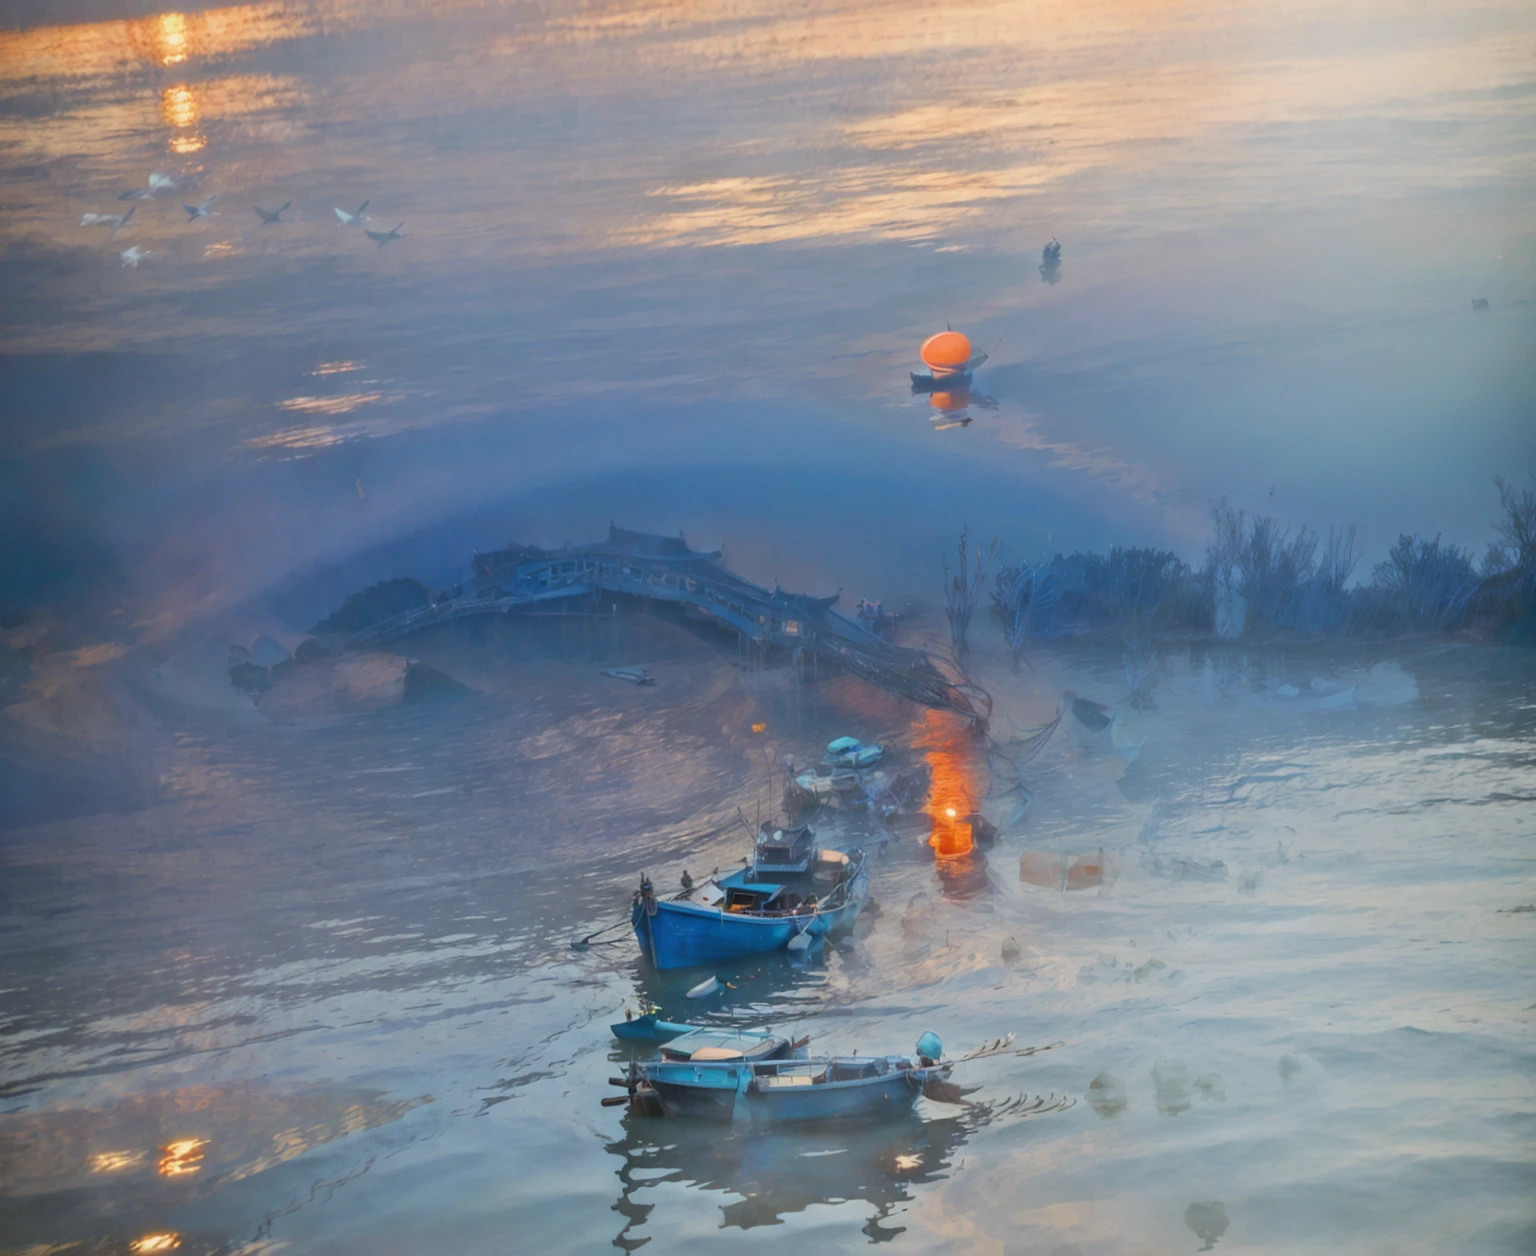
[(270, 216), (156, 183), (384, 237), (345, 219), (132, 257), (201, 211), (115, 221)]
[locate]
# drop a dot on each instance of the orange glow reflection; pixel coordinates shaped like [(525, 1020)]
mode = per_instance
[(180, 109), (180, 1158), (114, 1161), (178, 106), (156, 1243), (952, 756), (171, 35)]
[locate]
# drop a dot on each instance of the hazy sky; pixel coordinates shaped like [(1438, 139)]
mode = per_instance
[(714, 234)]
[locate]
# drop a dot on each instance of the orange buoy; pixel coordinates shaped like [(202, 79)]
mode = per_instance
[(947, 353)]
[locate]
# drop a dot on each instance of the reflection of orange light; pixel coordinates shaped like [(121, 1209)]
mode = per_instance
[(171, 34), (179, 109), (949, 402), (178, 106), (183, 1157), (113, 1161), (155, 1243), (951, 756), (946, 353)]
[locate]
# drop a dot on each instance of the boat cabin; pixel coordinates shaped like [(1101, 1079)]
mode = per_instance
[(781, 851), (744, 893)]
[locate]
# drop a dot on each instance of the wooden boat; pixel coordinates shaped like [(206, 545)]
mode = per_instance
[(789, 888), (783, 1091)]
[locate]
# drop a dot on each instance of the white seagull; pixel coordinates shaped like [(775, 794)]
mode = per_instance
[(384, 237), (270, 216), (116, 221), (347, 220), (201, 211), (157, 183), (135, 255)]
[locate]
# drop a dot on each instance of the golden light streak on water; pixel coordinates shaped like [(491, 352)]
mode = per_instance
[(172, 32), (156, 1243), (180, 110), (342, 404), (115, 1161), (182, 1157)]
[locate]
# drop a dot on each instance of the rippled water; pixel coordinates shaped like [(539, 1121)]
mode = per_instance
[(333, 969), (270, 980)]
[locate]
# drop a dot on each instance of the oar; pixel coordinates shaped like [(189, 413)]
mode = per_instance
[(941, 1090), (996, 1047), (581, 944)]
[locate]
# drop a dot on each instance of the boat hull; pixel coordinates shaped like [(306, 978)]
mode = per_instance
[(870, 1099), (706, 1094), (682, 935), (724, 1094)]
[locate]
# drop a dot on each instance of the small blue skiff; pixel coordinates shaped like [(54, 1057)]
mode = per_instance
[(785, 1091), (789, 889), (648, 1028)]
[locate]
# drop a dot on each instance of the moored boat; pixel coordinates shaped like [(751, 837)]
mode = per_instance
[(648, 1028), (785, 1091), (788, 889), (850, 752)]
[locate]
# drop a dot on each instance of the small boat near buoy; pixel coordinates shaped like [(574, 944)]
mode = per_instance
[(949, 360)]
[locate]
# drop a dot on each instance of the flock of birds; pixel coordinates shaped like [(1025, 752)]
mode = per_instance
[(269, 217)]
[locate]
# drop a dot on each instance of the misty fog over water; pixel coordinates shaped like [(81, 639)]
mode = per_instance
[(298, 977)]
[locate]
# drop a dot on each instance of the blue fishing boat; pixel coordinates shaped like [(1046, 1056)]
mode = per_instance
[(789, 889), (707, 1048), (648, 1028), (782, 1091)]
